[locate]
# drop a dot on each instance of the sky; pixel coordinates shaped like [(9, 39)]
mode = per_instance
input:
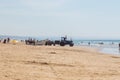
[(87, 19)]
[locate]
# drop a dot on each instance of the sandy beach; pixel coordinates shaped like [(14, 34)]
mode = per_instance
[(26, 62)]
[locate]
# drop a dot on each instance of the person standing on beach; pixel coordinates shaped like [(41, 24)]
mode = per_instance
[(119, 46), (89, 43), (4, 41), (8, 40)]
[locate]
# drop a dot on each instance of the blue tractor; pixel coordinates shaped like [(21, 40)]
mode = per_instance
[(64, 42)]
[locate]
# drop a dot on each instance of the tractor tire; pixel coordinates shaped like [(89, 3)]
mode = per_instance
[(62, 44), (46, 43), (54, 44), (71, 45)]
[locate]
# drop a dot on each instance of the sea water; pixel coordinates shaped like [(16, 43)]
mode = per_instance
[(104, 46)]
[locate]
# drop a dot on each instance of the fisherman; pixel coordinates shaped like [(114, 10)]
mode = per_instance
[(119, 46), (89, 43)]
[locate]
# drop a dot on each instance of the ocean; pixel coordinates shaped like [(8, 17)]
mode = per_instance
[(104, 46)]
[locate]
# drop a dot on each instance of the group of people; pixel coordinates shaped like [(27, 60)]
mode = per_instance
[(7, 40)]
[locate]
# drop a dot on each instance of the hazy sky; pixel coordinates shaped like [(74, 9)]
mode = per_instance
[(75, 18)]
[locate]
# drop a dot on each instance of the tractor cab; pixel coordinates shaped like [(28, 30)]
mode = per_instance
[(63, 38)]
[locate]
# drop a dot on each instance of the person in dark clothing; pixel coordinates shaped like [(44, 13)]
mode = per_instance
[(4, 41), (8, 40), (119, 46), (89, 43)]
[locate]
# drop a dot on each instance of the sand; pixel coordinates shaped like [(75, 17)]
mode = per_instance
[(26, 62)]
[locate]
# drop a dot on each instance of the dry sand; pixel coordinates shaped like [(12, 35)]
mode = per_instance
[(25, 62)]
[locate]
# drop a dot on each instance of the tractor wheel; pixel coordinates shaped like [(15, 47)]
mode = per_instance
[(50, 44), (62, 44), (53, 43), (46, 43), (71, 45)]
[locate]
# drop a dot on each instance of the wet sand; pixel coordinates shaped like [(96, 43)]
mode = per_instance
[(25, 62)]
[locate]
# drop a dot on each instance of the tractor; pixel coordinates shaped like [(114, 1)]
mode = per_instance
[(64, 42)]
